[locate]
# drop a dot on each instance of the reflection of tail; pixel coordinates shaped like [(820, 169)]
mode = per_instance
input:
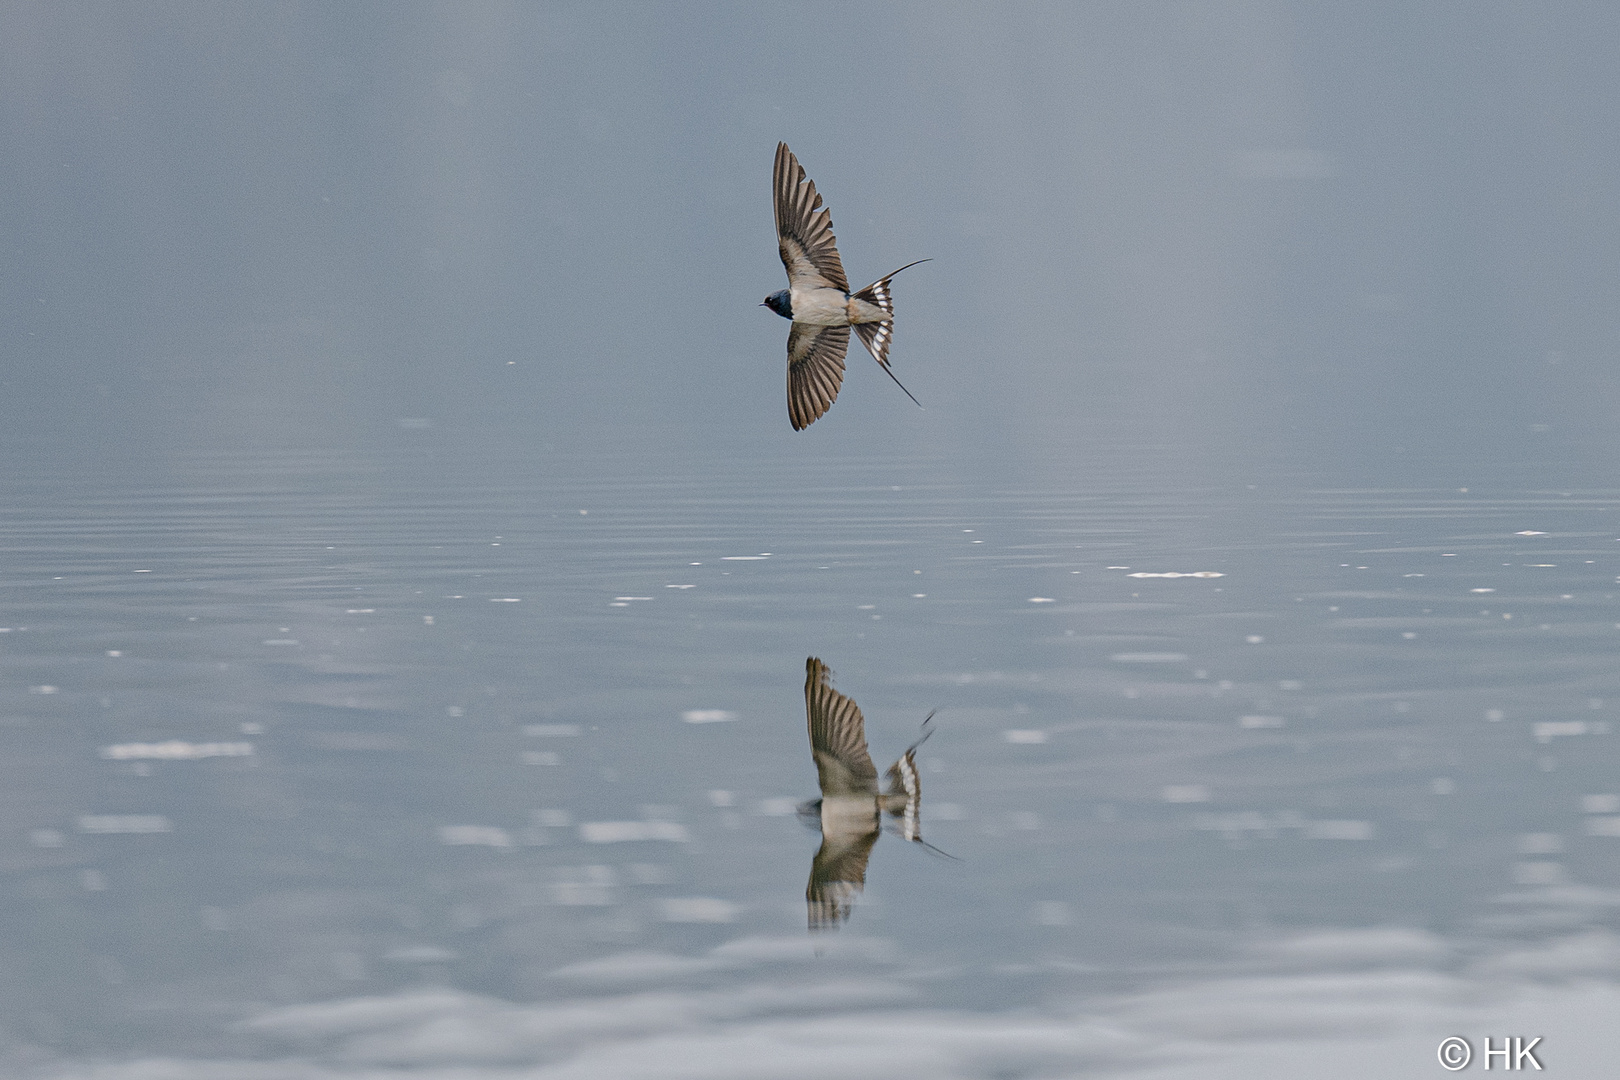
[(877, 335), (903, 797)]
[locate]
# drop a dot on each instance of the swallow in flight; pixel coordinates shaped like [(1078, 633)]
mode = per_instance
[(818, 299), (850, 810)]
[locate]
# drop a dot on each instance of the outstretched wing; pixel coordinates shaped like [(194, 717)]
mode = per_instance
[(815, 370), (804, 227), (837, 876), (837, 736)]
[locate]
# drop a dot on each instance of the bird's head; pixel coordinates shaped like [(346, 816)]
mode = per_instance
[(780, 303)]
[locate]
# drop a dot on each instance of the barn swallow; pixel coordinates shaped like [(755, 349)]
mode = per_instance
[(850, 810), (818, 300)]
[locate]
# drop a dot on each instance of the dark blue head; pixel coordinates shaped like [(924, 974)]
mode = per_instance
[(780, 303)]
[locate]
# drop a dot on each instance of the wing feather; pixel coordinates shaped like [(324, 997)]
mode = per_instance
[(837, 736), (815, 371), (804, 227), (837, 877)]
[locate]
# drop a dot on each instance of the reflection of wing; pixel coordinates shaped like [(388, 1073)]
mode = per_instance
[(837, 737), (815, 370), (837, 876), (804, 227)]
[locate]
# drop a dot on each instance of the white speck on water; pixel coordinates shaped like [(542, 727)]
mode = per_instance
[(134, 824), (1185, 793), (1042, 600), (1339, 830), (708, 716), (176, 750), (1605, 803), (1546, 731), (698, 909), (623, 832), (1024, 736), (454, 711), (1529, 532), (506, 600), (474, 836), (1255, 639)]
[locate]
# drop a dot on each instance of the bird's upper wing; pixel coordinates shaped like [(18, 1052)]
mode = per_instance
[(804, 227), (837, 876), (815, 370), (837, 736)]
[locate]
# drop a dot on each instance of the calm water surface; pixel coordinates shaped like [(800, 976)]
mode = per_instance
[(385, 767)]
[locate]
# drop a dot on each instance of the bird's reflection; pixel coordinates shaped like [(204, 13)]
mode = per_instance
[(850, 810)]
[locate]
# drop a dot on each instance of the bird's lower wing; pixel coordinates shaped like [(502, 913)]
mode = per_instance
[(815, 371)]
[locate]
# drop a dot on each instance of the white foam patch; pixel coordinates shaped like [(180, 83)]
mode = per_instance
[(474, 836), (1176, 574), (551, 730), (1339, 830), (1024, 736), (622, 832), (698, 909), (124, 823), (708, 716), (176, 750), (1548, 730)]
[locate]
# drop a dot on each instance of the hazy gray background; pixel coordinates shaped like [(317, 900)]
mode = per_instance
[(383, 388), (1323, 233)]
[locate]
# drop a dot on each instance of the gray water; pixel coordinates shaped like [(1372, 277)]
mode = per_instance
[(381, 765), (408, 573)]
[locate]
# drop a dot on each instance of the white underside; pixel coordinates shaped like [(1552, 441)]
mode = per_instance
[(830, 307), (843, 816)]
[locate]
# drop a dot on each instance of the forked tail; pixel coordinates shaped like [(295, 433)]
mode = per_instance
[(876, 336)]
